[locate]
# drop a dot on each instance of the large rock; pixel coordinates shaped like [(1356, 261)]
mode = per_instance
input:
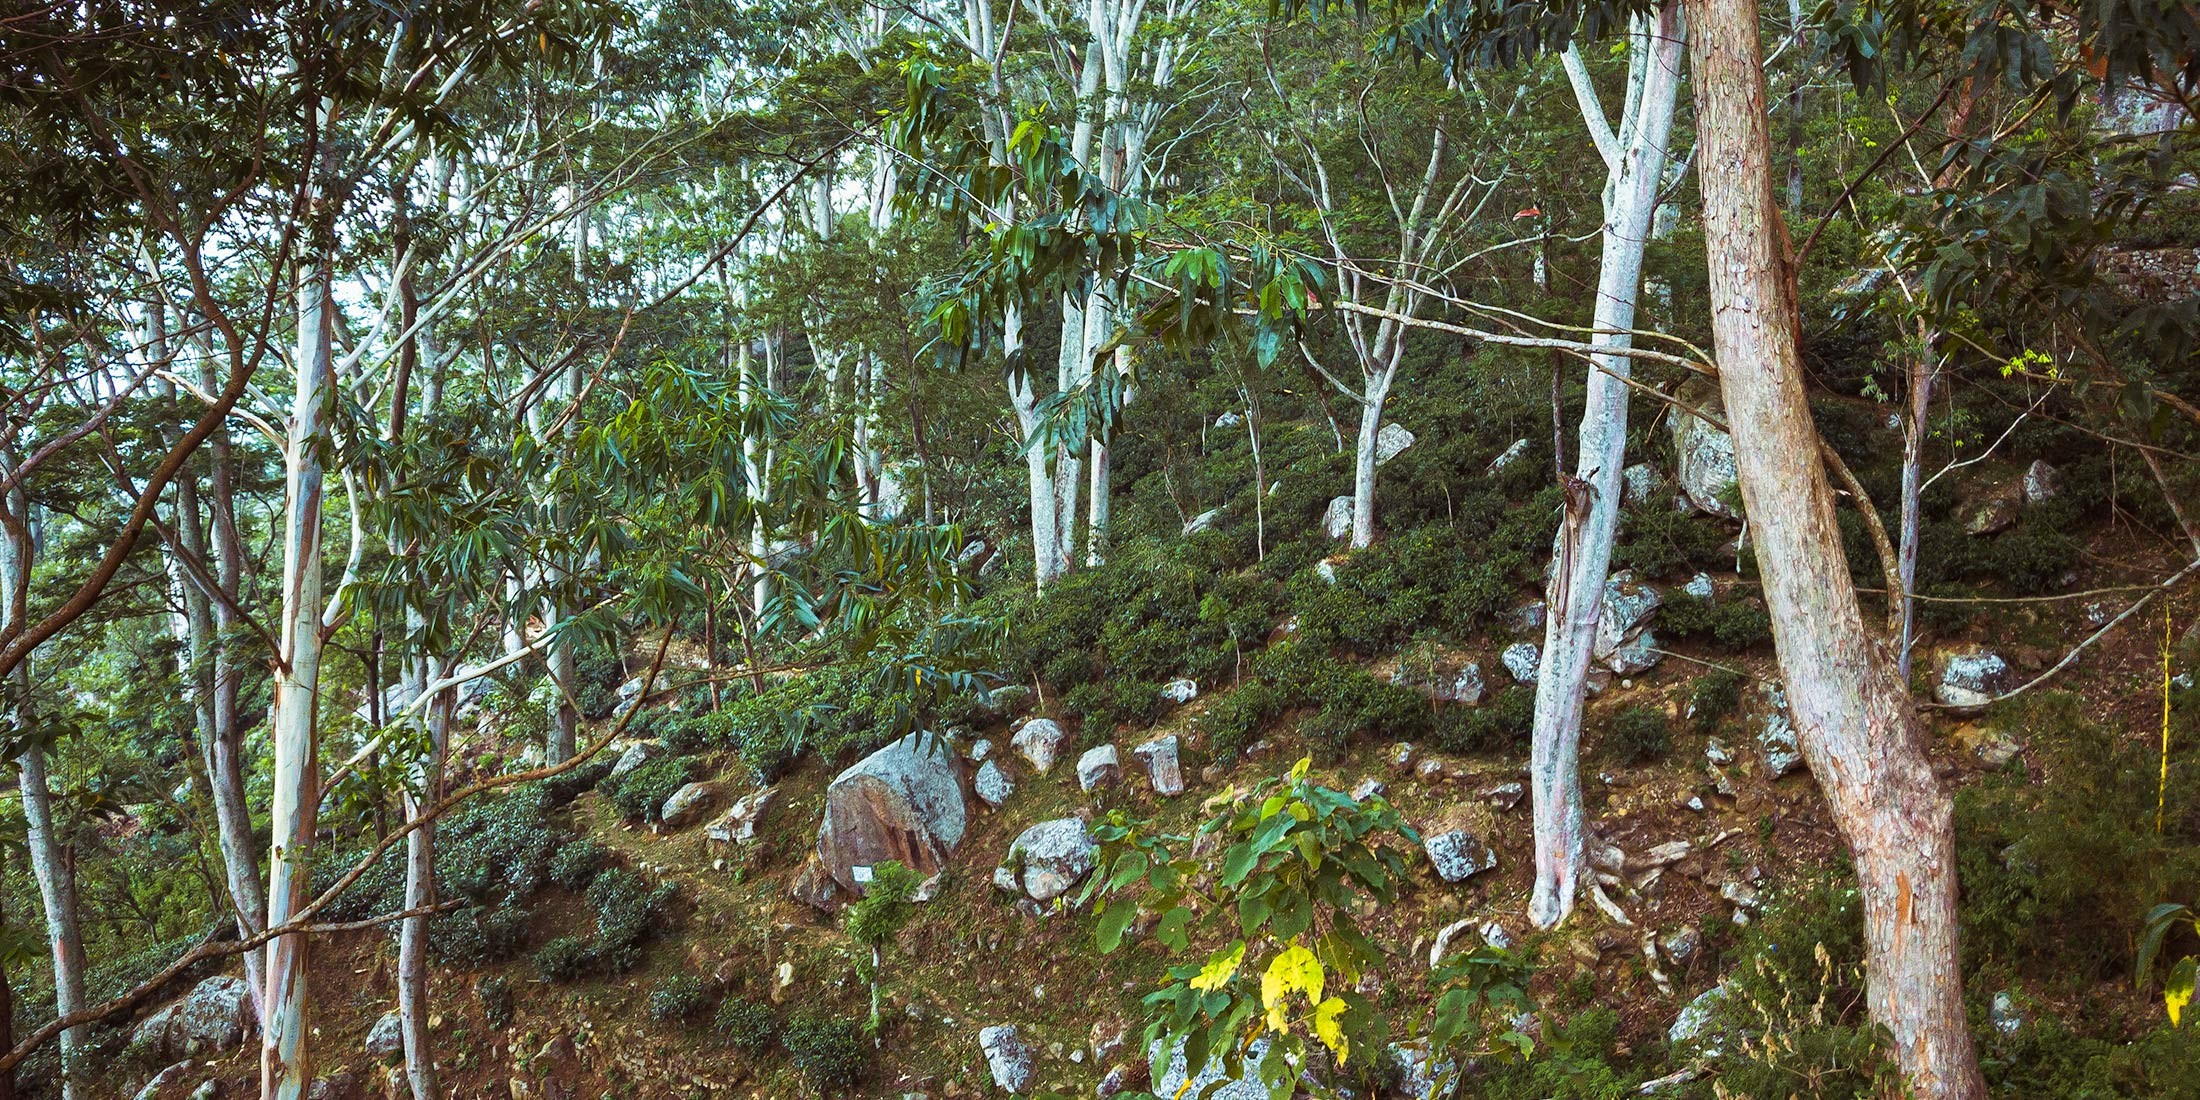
[(1008, 1057), (1099, 767), (903, 802), (1776, 743), (1337, 518), (1628, 604), (215, 1016), (688, 804), (1704, 453), (386, 1039), (1521, 660), (1164, 764), (1172, 1078), (636, 755), (740, 822), (993, 786), (1052, 857), (1040, 741), (1459, 855), (1391, 442), (1972, 679)]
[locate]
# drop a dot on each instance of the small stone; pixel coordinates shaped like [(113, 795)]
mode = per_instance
[(1008, 1058), (1416, 1075), (1098, 767), (1716, 751), (992, 785), (1521, 660), (1495, 935), (1229, 420), (1504, 796), (1993, 747), (1367, 788), (740, 822), (2004, 1014), (1008, 698), (1740, 894), (1054, 856), (1004, 880), (1639, 653), (1429, 770), (1695, 802), (1205, 521), (1640, 484), (1514, 453), (1164, 766), (1458, 855), (688, 804), (1971, 680), (1391, 442), (1776, 742), (1337, 518), (1700, 587), (1695, 1019), (636, 755), (1527, 618), (1040, 741), (981, 750), (1402, 755), (1180, 692), (2041, 482), (1681, 944)]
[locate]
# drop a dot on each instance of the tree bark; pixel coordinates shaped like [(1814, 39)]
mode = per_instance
[(1854, 718), (1576, 597), (1363, 461), (285, 1064), (412, 942)]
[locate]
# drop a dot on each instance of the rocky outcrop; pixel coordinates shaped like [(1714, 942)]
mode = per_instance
[(903, 802), (215, 1016), (1052, 857), (1704, 452)]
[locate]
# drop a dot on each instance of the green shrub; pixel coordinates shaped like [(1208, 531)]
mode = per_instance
[(629, 912), (1714, 699), (1666, 541), (640, 794), (678, 998), (1501, 724), (1799, 991), (1735, 625), (1102, 706), (1235, 720), (479, 935), (830, 1051), (576, 864), (598, 671), (745, 1025), (561, 789), (565, 959), (1639, 735), (495, 995)]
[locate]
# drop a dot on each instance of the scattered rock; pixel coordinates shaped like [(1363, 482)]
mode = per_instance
[(386, 1040), (992, 785), (1495, 935), (1717, 753), (1628, 604), (1521, 660), (1004, 880), (166, 1080), (1973, 679), (1740, 894), (1991, 514), (981, 750), (1514, 453), (1040, 741), (215, 1016), (813, 885), (1458, 855), (1326, 570), (1776, 743), (1639, 653), (1229, 420), (1414, 1075), (340, 1085), (1098, 767), (2041, 482), (1640, 484), (1695, 1019), (636, 755), (740, 821), (688, 804), (1391, 442), (1705, 454), (1180, 692), (1402, 755), (1681, 944), (1367, 788), (1164, 767), (1008, 1058), (1700, 587), (1527, 618), (1053, 857), (1442, 683), (1337, 518), (2003, 1012), (1205, 521), (1008, 699), (903, 802), (1504, 796)]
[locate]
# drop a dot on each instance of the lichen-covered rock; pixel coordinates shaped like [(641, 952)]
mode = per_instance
[(1640, 484), (1521, 659), (1213, 1082), (636, 755), (740, 821), (1052, 857), (1443, 682), (1639, 653), (168, 1082), (1512, 454), (1040, 742), (2041, 482), (992, 784), (1337, 518), (1700, 587), (1628, 604), (903, 802), (1007, 1056), (1417, 1076), (1008, 699), (1098, 767), (1458, 855), (215, 1016), (1164, 765), (1391, 442), (1205, 521), (1704, 453), (1527, 618), (387, 1038), (1972, 679), (1776, 743), (687, 805), (1690, 1028), (1180, 692)]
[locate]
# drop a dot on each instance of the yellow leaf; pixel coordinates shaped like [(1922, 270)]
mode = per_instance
[(1329, 1027), (1298, 770), (1293, 970), (1220, 968)]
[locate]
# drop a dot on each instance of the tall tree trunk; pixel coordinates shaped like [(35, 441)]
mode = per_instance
[(1854, 718), (1103, 475), (412, 942), (49, 858), (1363, 461), (1591, 519), (285, 1064), (7, 1010), (1046, 564), (1922, 373)]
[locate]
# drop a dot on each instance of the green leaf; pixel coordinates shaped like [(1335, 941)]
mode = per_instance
[(1108, 934), (1171, 929)]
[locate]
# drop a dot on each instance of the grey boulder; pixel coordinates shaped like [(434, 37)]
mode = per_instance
[(1052, 857), (1040, 741), (1007, 1056), (992, 784), (903, 802), (1458, 855), (1972, 679), (1098, 767), (1164, 765), (1704, 452)]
